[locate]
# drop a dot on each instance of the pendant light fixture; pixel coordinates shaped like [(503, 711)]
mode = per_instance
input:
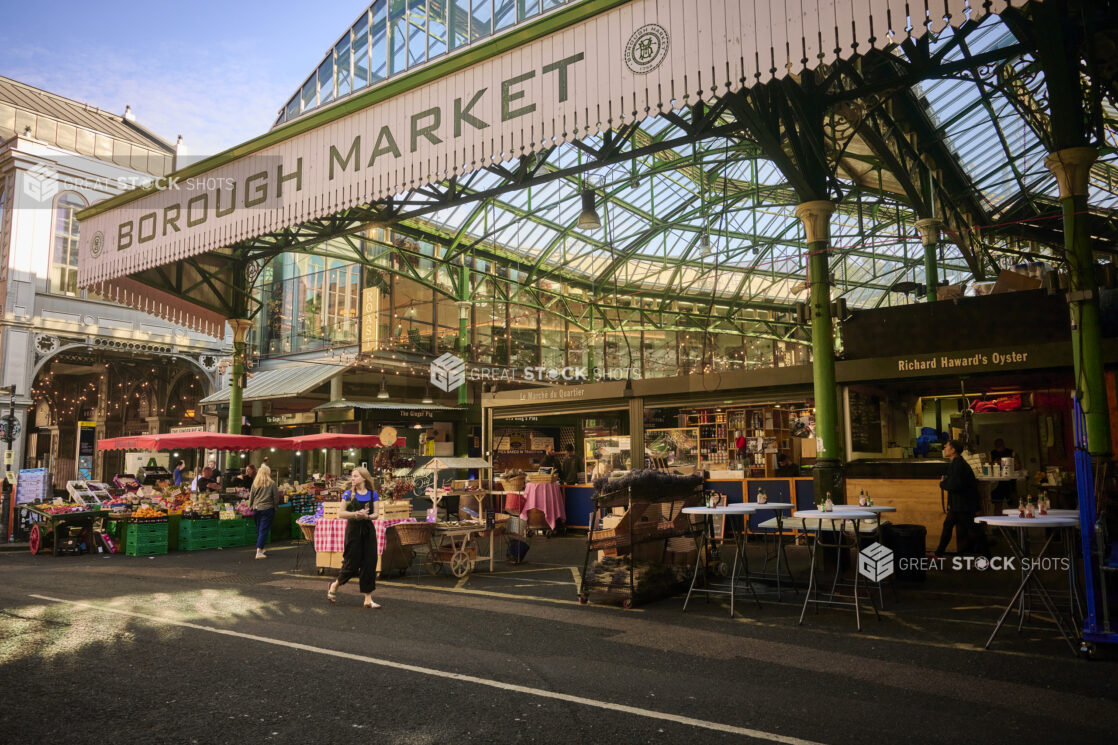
[(383, 394), (588, 219), (427, 396)]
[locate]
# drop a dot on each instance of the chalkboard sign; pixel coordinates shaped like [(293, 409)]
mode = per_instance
[(865, 423)]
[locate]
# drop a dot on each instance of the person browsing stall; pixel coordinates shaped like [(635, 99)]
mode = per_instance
[(359, 556), (179, 468), (551, 459), (262, 499), (245, 479), (569, 472), (785, 467), (963, 503)]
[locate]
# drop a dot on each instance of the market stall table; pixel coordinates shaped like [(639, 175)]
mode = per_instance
[(704, 544), (777, 508), (1011, 528), (877, 510), (546, 497), (329, 536), (840, 544), (1073, 582)]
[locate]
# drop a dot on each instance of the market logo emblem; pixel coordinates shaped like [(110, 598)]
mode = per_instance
[(40, 183), (448, 372), (647, 49), (97, 245), (875, 562)]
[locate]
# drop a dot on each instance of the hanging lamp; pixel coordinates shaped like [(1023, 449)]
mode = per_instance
[(588, 219), (383, 394)]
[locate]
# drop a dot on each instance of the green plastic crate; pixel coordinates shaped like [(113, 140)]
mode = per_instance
[(250, 531), (199, 544), (146, 531), (197, 529), (146, 548)]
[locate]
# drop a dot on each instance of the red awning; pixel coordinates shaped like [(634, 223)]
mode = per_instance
[(191, 440), (335, 441)]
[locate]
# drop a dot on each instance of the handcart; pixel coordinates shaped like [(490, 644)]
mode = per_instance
[(63, 532)]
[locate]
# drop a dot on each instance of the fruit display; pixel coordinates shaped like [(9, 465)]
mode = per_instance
[(62, 509), (199, 507), (147, 514)]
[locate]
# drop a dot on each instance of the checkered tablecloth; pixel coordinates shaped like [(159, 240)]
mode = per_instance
[(329, 535)]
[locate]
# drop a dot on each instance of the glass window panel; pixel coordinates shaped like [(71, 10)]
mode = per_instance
[(527, 8), (292, 109), (398, 36), (326, 80), (361, 50), (658, 353), (436, 28), (64, 261), (341, 62), (309, 97), (417, 32), (412, 317), (549, 4), (378, 42), (524, 339), (481, 21), (505, 14), (552, 348), (446, 314), (459, 23)]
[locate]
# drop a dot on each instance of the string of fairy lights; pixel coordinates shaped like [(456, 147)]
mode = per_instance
[(129, 394)]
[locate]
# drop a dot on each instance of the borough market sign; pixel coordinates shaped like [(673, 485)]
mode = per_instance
[(583, 70)]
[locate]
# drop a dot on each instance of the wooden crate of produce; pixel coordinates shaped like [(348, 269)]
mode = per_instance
[(394, 509)]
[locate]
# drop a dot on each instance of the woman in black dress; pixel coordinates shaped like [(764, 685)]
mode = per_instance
[(359, 557)]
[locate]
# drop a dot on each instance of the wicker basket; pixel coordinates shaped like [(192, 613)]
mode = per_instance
[(414, 534), (542, 478), (513, 484), (308, 531)]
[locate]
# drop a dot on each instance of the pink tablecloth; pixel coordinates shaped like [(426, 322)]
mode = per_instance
[(329, 535), (547, 498)]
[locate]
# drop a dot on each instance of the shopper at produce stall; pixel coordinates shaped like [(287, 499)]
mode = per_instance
[(359, 555), (570, 466), (246, 479), (215, 474), (263, 499), (179, 468)]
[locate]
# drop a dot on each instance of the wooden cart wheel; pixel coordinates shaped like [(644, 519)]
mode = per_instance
[(627, 603), (35, 540), (460, 564), (434, 566)]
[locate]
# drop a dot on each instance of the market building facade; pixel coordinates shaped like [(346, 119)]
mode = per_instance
[(82, 367)]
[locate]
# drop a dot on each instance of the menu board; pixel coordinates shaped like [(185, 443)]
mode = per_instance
[(865, 423)]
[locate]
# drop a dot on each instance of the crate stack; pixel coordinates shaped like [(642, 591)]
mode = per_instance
[(198, 535), (231, 533), (146, 538)]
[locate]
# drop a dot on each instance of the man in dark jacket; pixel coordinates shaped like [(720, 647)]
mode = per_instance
[(963, 503), (569, 474)]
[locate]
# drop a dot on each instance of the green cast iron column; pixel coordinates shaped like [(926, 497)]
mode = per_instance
[(1072, 167), (929, 235), (240, 330), (815, 216)]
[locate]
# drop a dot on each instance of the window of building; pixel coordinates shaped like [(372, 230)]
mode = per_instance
[(64, 253)]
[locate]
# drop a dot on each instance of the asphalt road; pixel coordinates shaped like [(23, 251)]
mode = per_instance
[(214, 647)]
